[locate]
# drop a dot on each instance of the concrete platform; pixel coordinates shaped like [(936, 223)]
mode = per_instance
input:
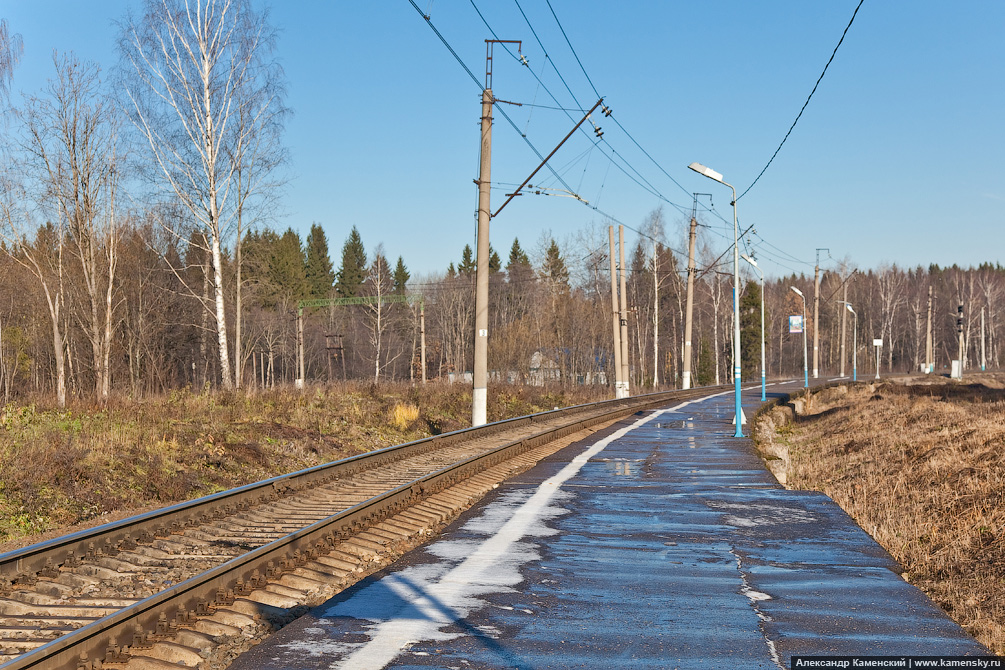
[(660, 543)]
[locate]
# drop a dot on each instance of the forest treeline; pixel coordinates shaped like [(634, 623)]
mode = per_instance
[(137, 255)]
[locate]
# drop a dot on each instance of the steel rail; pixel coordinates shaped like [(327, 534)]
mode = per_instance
[(152, 618), (31, 560)]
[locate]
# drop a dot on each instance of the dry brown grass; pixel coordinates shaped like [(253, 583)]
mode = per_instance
[(88, 464), (922, 469)]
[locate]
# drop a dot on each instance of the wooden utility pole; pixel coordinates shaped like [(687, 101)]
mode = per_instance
[(624, 313), (929, 358), (690, 304), (615, 318)]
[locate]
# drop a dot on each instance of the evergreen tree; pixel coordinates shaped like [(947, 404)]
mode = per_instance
[(287, 269), (750, 331), (320, 272), (451, 271), (257, 254), (704, 375), (466, 267), (379, 279), (518, 267), (495, 263), (554, 270), (352, 273), (401, 277)]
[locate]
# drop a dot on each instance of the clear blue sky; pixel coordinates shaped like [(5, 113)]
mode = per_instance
[(897, 159)]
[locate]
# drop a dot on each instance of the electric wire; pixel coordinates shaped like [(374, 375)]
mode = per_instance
[(547, 57), (571, 48), (618, 123), (799, 115), (429, 22), (612, 117), (786, 254), (482, 88), (649, 187), (530, 144)]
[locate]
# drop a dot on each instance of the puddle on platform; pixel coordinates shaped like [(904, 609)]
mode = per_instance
[(621, 467)]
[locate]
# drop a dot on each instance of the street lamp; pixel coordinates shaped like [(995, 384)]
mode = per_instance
[(806, 372), (854, 344), (754, 263), (715, 176)]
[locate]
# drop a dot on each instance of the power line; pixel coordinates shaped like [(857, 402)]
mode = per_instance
[(571, 48), (446, 44), (654, 191), (648, 187), (798, 116), (546, 56), (482, 88), (783, 253)]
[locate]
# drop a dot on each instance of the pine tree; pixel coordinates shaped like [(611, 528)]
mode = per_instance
[(517, 256), (704, 375), (495, 263), (287, 270), (320, 272), (401, 277), (352, 273), (750, 330), (518, 268), (554, 270), (467, 265)]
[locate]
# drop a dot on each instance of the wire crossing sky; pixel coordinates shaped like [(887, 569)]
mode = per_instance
[(897, 159), (808, 98)]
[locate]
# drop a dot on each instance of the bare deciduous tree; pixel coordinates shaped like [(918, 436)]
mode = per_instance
[(190, 68), (70, 155), (11, 48)]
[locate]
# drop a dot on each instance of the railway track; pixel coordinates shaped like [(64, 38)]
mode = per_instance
[(166, 588)]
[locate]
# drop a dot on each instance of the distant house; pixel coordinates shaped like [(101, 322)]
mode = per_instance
[(543, 370)]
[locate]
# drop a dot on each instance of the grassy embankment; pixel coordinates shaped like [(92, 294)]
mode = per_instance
[(922, 468), (87, 465)]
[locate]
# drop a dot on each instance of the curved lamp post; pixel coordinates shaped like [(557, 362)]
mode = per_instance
[(715, 176), (806, 372), (759, 270)]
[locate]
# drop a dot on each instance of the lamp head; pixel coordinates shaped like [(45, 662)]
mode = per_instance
[(707, 171), (848, 305), (749, 259), (797, 291)]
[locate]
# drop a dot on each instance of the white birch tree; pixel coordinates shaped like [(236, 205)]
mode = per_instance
[(189, 69)]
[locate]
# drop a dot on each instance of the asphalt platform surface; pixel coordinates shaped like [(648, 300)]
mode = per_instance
[(659, 542)]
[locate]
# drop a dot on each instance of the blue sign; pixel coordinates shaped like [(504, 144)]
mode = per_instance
[(795, 324)]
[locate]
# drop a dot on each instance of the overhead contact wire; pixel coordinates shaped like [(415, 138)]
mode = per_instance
[(810, 96)]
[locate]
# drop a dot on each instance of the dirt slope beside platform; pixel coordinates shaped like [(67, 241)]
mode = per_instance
[(921, 466)]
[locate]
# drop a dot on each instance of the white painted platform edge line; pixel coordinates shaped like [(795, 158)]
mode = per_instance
[(391, 636)]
